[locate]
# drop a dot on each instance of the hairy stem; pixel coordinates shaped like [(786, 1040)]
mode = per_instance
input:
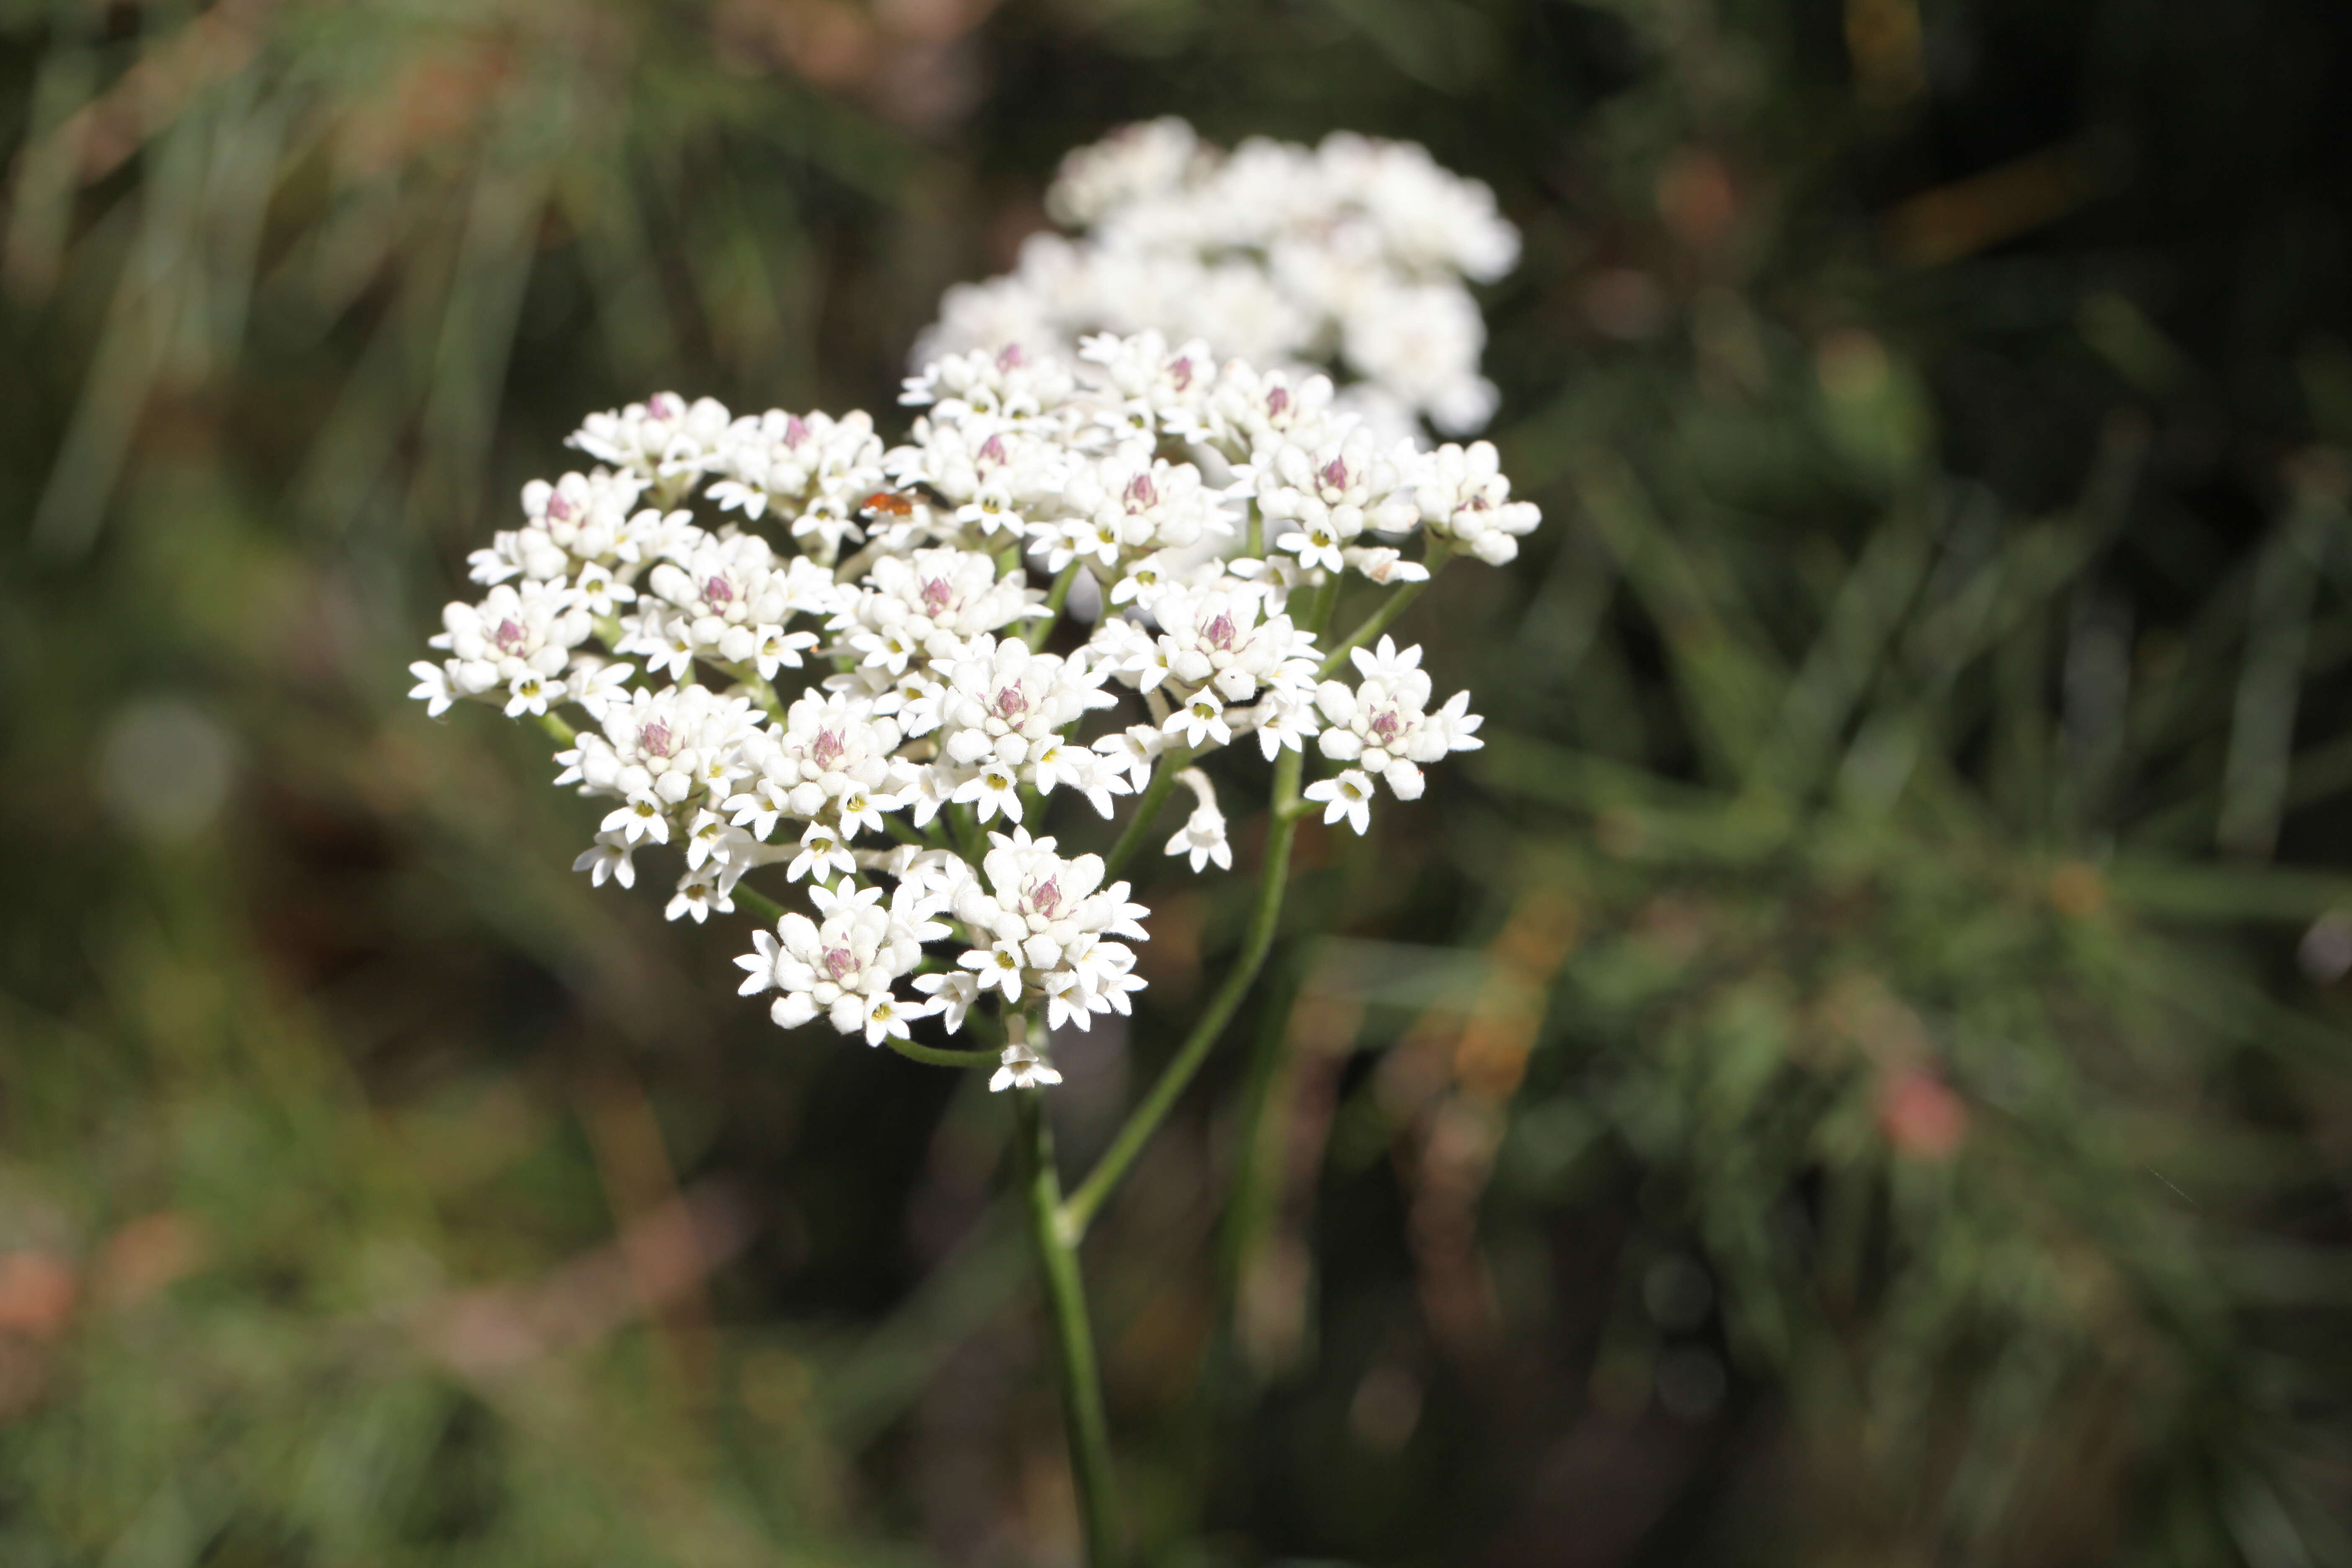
[(1282, 829), (1073, 1344), (1146, 809)]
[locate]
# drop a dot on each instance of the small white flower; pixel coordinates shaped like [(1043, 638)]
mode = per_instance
[(1201, 721), (1023, 1068), (989, 790), (432, 687), (823, 854), (698, 895), (1347, 797), (609, 857), (637, 820), (596, 684), (711, 839), (1384, 565), (999, 964), (886, 1016), (1316, 545), (952, 993), (1134, 750), (1202, 835)]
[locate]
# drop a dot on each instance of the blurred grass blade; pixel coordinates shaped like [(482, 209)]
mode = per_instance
[(2261, 728), (1869, 609), (1728, 678)]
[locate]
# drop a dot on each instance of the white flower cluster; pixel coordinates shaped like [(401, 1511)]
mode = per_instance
[(1352, 256), (784, 644)]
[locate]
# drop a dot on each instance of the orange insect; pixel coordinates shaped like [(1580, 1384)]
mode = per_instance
[(898, 503)]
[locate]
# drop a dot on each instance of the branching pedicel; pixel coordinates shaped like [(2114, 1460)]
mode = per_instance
[(795, 646)]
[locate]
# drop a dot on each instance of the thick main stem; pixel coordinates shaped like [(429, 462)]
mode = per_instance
[(1073, 1344), (1282, 829)]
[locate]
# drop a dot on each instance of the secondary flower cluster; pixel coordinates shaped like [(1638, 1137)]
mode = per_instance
[(772, 640), (1351, 255)]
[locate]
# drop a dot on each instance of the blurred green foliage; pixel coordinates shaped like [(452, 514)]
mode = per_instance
[(1856, 1074)]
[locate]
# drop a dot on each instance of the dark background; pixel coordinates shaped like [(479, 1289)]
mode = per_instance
[(1853, 1073)]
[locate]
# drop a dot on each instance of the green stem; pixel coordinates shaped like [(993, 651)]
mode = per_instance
[(1282, 829), (1056, 597), (1268, 1090), (965, 828), (1073, 1344), (1146, 809), (937, 1058), (751, 680), (559, 728), (1378, 621), (758, 903), (1326, 600), (1257, 1164), (982, 1026)]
